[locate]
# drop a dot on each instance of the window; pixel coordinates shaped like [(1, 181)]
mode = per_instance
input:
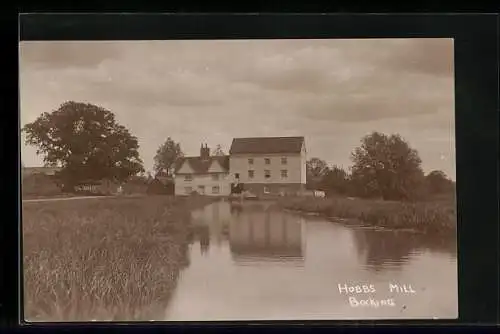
[(188, 190), (251, 174), (188, 177), (201, 189), (284, 173), (236, 175), (267, 161), (266, 190), (215, 177), (267, 174), (250, 161), (215, 190), (284, 161)]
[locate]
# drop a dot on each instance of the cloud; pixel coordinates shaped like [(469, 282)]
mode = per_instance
[(59, 54), (331, 91), (434, 56)]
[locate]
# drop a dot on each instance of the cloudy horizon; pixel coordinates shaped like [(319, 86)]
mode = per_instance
[(332, 92)]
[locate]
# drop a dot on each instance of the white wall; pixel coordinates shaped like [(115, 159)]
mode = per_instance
[(303, 163), (206, 180), (295, 167)]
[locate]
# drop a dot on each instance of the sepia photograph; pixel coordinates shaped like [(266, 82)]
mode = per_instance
[(238, 180)]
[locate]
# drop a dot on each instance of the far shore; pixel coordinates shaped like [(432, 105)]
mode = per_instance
[(427, 217)]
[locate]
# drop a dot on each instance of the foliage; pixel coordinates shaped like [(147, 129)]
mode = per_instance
[(39, 185), (438, 183), (167, 156), (86, 141), (386, 166), (316, 169), (218, 151), (156, 187), (335, 181)]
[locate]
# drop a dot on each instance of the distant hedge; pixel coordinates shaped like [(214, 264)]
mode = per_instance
[(156, 187), (40, 185)]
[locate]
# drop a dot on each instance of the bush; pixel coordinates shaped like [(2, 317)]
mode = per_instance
[(156, 187)]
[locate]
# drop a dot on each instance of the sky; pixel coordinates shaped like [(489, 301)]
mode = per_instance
[(331, 91)]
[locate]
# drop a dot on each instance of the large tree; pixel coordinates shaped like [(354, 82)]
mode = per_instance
[(166, 157), (218, 151), (386, 166), (86, 141), (316, 169)]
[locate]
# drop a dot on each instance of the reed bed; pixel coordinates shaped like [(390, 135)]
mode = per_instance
[(110, 259), (428, 216)]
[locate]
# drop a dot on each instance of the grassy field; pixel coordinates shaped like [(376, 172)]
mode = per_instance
[(437, 215), (104, 259)]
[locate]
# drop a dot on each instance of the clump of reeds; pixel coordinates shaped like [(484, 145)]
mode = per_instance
[(103, 259)]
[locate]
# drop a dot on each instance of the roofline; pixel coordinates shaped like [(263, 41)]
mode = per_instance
[(198, 157), (212, 158), (301, 138), (275, 137), (270, 154)]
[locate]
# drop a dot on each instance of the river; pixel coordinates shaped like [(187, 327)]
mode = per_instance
[(257, 262)]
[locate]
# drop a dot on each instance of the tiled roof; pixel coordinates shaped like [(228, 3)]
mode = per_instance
[(266, 145), (200, 166)]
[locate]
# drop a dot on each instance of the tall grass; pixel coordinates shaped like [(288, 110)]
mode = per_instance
[(104, 259), (429, 216)]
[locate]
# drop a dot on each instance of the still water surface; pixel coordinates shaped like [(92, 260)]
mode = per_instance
[(257, 262)]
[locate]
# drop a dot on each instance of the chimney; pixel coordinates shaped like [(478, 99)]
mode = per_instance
[(204, 152), (207, 151)]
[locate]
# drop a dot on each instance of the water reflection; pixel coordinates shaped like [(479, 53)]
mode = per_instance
[(256, 232), (254, 261), (381, 250), (260, 231), (265, 234)]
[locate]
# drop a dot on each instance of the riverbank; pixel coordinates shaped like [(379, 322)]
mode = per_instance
[(427, 217), (117, 259)]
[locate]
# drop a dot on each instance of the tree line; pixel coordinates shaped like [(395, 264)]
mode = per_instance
[(89, 145), (383, 166)]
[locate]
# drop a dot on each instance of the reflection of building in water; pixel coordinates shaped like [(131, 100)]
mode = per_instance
[(215, 219), (266, 235)]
